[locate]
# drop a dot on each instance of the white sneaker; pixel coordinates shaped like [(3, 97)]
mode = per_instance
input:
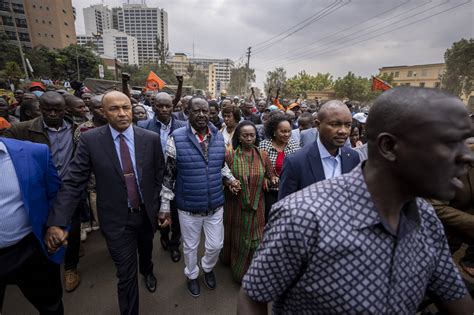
[(86, 226), (95, 226), (83, 235)]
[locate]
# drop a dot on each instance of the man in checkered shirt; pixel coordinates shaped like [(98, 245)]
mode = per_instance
[(365, 242)]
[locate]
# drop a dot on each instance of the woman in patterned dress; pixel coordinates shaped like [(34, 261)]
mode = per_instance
[(277, 145), (244, 210)]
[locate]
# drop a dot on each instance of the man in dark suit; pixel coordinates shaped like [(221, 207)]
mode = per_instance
[(164, 124), (326, 157), (28, 185), (128, 165)]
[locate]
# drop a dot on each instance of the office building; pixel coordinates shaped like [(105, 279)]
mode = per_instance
[(48, 23), (428, 75), (114, 44), (148, 25), (97, 18)]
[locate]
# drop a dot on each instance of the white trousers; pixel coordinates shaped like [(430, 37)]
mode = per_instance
[(191, 227)]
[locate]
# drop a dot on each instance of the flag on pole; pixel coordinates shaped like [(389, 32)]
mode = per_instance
[(379, 84), (153, 82)]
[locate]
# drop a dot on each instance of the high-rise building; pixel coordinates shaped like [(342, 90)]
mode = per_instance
[(150, 27), (97, 18), (48, 23), (6, 21), (113, 44)]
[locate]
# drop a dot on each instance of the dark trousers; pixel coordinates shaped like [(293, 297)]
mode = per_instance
[(138, 235), (175, 229), (39, 279), (270, 198), (71, 259)]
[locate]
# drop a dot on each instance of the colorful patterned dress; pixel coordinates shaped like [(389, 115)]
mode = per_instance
[(244, 214)]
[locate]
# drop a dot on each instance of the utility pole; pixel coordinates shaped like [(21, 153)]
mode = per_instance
[(247, 69), (18, 40), (77, 65)]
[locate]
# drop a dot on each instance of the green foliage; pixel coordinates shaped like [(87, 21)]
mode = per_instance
[(303, 82), (277, 78), (459, 75), (237, 81), (138, 75), (199, 80), (13, 70), (8, 51), (353, 87)]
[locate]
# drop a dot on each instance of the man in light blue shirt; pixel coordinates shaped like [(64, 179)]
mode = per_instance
[(325, 158)]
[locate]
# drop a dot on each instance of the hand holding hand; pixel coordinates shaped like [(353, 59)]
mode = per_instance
[(235, 187), (164, 219), (55, 238), (275, 180)]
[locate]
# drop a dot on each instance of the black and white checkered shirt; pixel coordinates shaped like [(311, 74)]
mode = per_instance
[(326, 251)]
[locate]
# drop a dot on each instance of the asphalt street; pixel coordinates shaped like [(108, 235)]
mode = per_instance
[(97, 292)]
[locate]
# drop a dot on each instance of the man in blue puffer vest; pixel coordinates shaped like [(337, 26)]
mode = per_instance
[(195, 167)]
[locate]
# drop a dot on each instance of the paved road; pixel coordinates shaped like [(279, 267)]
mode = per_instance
[(97, 292)]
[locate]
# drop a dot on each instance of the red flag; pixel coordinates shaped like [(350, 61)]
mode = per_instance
[(379, 84), (153, 82)]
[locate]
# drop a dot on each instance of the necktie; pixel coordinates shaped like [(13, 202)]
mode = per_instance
[(129, 174)]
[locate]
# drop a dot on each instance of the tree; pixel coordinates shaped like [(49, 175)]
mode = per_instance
[(237, 80), (303, 82), (275, 79), (459, 75), (386, 77), (352, 87), (13, 71), (199, 80), (8, 51)]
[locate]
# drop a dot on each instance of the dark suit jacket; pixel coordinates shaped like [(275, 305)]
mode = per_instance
[(153, 125), (253, 118), (304, 168), (179, 116), (96, 152), (39, 182)]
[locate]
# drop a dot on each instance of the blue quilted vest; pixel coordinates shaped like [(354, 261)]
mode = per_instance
[(198, 185)]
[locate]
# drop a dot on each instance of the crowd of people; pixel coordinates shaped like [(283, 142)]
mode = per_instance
[(312, 205)]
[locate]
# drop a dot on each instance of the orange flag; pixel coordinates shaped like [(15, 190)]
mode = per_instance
[(379, 84), (153, 82), (277, 104)]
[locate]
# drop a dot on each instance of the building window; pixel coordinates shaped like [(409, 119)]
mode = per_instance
[(407, 84), (395, 84), (67, 35), (43, 22), (424, 73), (47, 8), (422, 84), (397, 74), (410, 74), (34, 6), (36, 20)]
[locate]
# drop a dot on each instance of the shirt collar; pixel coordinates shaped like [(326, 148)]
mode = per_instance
[(364, 212), (128, 133), (323, 152), (3, 147), (65, 125), (162, 125)]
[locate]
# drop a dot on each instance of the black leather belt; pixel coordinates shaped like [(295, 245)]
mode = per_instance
[(136, 210)]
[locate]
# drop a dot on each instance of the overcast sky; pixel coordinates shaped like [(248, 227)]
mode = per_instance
[(336, 36)]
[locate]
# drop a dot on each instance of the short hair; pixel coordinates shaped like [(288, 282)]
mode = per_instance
[(236, 136), (276, 117), (398, 105), (27, 105), (326, 107), (71, 99), (214, 104), (139, 105), (235, 110), (193, 98), (305, 115)]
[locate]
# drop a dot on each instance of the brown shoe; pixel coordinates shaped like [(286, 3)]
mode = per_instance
[(71, 280)]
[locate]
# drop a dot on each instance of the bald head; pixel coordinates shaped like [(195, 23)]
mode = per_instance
[(330, 107), (117, 109), (163, 97), (112, 96)]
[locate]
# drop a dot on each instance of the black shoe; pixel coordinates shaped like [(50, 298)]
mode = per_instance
[(164, 240), (175, 255), (210, 280), (150, 282), (193, 288)]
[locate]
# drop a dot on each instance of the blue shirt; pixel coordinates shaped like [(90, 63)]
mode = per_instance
[(130, 140), (62, 147), (331, 164), (14, 220)]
